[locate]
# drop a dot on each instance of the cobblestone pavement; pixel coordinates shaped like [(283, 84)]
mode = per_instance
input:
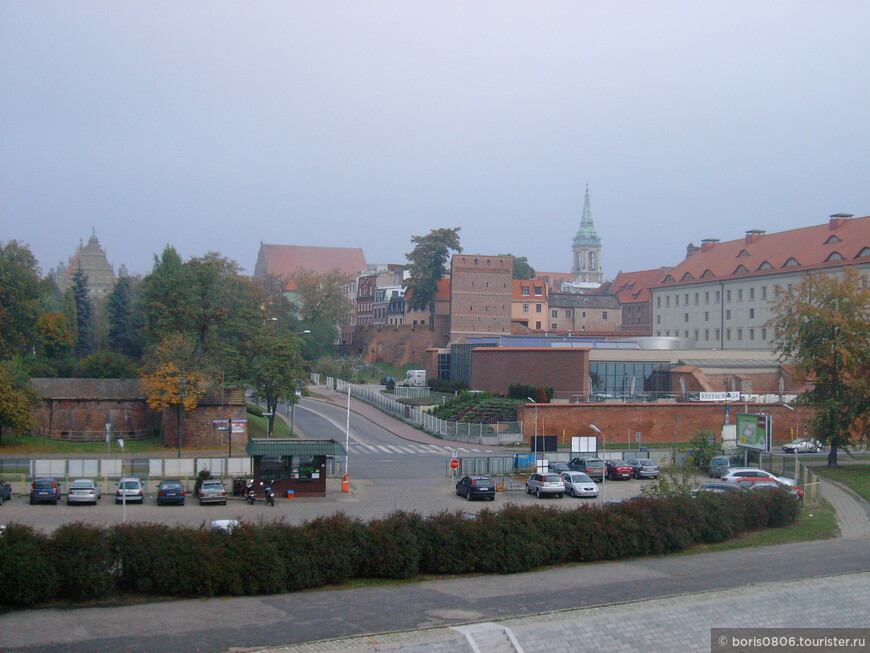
[(680, 623)]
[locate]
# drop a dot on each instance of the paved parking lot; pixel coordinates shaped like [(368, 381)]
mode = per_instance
[(368, 499)]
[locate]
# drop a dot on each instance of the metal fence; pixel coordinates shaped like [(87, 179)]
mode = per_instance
[(470, 432), (789, 465)]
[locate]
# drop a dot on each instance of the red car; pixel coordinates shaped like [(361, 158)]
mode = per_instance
[(760, 483), (618, 469)]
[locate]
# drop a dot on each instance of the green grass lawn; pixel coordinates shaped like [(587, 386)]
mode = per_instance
[(855, 477), (30, 444)]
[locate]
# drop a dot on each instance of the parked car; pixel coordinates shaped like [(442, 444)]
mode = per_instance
[(44, 489), (476, 487), (802, 445), (212, 491), (742, 473), (130, 490), (542, 484), (578, 484), (170, 491), (719, 487), (618, 470), (594, 467), (387, 380), (643, 467), (721, 464), (5, 491), (761, 483), (558, 468), (83, 490)]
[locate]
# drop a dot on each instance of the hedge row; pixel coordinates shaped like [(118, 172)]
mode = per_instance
[(80, 562)]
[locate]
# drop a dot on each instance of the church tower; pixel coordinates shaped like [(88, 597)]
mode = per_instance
[(587, 248)]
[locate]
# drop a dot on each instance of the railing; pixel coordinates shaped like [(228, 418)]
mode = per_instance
[(470, 432), (789, 465)]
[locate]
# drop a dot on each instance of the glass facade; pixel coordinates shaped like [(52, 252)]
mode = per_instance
[(617, 378)]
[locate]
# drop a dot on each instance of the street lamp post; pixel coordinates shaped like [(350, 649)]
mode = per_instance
[(122, 489), (181, 395), (603, 471), (535, 448)]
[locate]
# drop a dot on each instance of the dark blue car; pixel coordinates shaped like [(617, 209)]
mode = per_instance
[(44, 489)]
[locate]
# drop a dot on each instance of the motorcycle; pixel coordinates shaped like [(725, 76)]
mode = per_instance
[(250, 495), (270, 496)]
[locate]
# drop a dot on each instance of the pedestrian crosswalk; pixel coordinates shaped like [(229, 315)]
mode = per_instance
[(361, 448)]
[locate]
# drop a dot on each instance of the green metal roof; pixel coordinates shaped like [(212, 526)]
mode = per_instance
[(294, 447)]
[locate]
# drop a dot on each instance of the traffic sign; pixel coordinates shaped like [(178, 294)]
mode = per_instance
[(454, 464)]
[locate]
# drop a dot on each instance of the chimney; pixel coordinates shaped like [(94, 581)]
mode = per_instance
[(691, 248), (708, 243), (838, 220), (753, 234)]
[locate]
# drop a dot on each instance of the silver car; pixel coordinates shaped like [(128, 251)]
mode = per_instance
[(545, 484), (83, 490), (130, 490), (578, 484), (644, 467), (803, 445), (212, 492)]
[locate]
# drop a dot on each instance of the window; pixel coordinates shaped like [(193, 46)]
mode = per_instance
[(687, 299), (728, 314), (835, 256), (751, 313), (659, 301), (667, 301), (525, 308), (553, 326), (676, 300), (740, 294), (717, 335), (567, 313), (538, 291), (696, 298), (707, 335), (727, 295), (696, 335), (658, 319), (717, 296), (537, 325), (752, 293), (791, 263), (667, 334), (685, 317), (706, 316), (584, 313), (728, 334), (706, 297), (555, 313), (752, 334), (765, 266), (764, 334), (524, 291), (764, 292), (740, 334), (604, 315)]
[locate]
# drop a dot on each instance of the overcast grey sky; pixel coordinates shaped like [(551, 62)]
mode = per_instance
[(216, 125)]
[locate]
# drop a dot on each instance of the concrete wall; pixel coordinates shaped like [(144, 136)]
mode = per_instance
[(657, 423), (495, 369)]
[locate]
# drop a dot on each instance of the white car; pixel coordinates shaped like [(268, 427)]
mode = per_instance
[(83, 490), (803, 445), (130, 490), (578, 484), (736, 474)]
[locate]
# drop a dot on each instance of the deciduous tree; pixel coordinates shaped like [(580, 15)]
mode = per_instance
[(427, 264), (17, 400), (823, 327), (21, 291)]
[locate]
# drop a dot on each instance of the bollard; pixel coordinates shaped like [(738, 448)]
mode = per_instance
[(345, 483)]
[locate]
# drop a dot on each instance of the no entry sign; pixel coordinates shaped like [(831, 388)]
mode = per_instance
[(454, 464)]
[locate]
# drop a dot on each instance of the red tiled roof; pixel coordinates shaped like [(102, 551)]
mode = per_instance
[(531, 284), (442, 291), (284, 260), (555, 279), (633, 287), (810, 247)]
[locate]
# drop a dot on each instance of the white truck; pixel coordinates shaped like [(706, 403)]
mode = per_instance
[(415, 378)]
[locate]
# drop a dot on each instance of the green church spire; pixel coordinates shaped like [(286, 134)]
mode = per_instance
[(586, 235)]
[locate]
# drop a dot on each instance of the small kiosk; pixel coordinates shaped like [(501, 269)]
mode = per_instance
[(292, 465)]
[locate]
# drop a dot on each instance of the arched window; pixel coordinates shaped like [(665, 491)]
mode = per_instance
[(592, 261), (743, 252), (688, 276), (740, 269), (832, 239), (707, 274), (834, 256), (791, 263), (765, 266), (864, 252)]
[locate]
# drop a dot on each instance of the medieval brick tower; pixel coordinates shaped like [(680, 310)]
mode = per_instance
[(586, 266)]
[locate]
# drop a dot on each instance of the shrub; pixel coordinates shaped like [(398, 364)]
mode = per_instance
[(83, 561), (338, 545), (395, 546), (521, 538), (247, 562), (452, 543), (443, 385), (297, 552), (26, 574), (254, 409)]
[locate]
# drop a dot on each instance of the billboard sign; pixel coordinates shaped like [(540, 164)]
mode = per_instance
[(753, 431)]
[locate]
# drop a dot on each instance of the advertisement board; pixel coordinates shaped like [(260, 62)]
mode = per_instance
[(753, 431)]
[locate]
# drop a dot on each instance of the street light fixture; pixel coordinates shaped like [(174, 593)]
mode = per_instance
[(603, 471), (536, 432)]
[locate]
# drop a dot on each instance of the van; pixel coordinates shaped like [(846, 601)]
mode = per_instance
[(415, 378)]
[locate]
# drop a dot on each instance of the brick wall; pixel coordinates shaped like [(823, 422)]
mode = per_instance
[(198, 429), (399, 345), (495, 369), (656, 422)]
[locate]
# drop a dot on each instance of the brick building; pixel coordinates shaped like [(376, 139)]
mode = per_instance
[(529, 305), (481, 295), (495, 369)]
